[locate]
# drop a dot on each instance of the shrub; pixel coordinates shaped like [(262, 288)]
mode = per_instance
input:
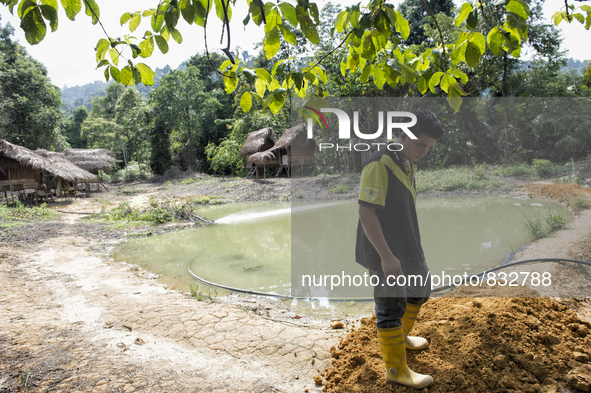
[(579, 204), (542, 167)]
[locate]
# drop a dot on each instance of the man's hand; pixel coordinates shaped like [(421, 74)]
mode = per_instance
[(391, 266)]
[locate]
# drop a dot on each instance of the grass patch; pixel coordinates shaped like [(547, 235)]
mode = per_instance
[(340, 188), (520, 170), (17, 214), (555, 221), (579, 204), (541, 227), (202, 295), (157, 212), (536, 228), (456, 178)]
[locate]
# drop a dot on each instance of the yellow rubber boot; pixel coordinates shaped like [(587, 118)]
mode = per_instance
[(394, 355), (408, 321)]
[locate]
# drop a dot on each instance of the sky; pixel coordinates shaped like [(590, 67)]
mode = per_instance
[(69, 56)]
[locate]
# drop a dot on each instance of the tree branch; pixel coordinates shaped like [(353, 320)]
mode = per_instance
[(438, 29), (332, 51), (226, 50), (206, 47)]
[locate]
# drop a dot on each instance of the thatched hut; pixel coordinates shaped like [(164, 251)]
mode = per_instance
[(256, 143), (20, 168), (60, 163), (91, 160), (295, 150)]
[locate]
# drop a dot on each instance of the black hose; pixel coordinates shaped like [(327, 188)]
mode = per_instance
[(494, 269), (439, 289)]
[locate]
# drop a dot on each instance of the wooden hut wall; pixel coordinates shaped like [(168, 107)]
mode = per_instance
[(17, 177)]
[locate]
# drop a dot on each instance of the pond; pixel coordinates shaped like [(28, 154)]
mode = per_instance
[(253, 246)]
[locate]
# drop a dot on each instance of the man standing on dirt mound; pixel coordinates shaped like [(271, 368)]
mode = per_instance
[(389, 245)]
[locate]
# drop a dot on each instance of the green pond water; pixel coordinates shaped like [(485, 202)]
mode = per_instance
[(253, 246)]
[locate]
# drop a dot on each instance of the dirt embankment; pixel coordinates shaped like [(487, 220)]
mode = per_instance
[(519, 342)]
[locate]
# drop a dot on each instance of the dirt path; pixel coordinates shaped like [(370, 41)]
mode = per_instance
[(72, 320)]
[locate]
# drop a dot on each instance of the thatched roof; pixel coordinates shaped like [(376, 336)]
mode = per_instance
[(23, 156), (262, 156), (91, 160), (257, 141), (296, 136), (60, 164)]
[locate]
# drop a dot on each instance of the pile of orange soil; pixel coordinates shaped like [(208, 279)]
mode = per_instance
[(560, 192), (477, 345)]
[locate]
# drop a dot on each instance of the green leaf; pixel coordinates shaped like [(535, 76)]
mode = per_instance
[(115, 74), (577, 16), (135, 50), (102, 63), (288, 35), (24, 6), (434, 81), (219, 10), (314, 13), (402, 25), (472, 20), (189, 11), (114, 56), (34, 26), (101, 48), (260, 87), (273, 19), (479, 40), (557, 18), (288, 12), (162, 44), (320, 73), (230, 82), (422, 85), (158, 19), (126, 76), (445, 82), (459, 74), (50, 14), (365, 74), (124, 18), (495, 41), (146, 74), (341, 21), (250, 75), (147, 47), (135, 21), (246, 101), (92, 9), (409, 73), (272, 43), (278, 100), (473, 54), (137, 75), (176, 35), (378, 77), (464, 12), (72, 8), (309, 29), (264, 74), (275, 69), (171, 17), (518, 7), (107, 74)]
